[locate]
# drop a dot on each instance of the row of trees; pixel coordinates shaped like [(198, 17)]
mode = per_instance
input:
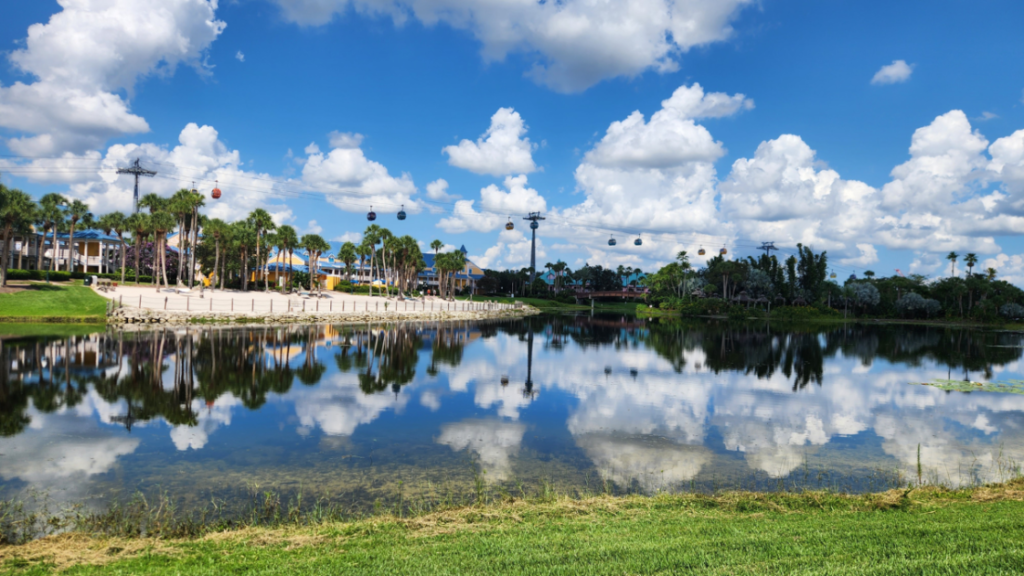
[(803, 279), (227, 252)]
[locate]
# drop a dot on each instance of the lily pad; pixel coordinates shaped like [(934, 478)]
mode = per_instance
[(1006, 387)]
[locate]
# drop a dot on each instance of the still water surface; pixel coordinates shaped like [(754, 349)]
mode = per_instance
[(577, 403)]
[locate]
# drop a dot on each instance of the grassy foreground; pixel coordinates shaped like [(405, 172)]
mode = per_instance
[(43, 302), (924, 531)]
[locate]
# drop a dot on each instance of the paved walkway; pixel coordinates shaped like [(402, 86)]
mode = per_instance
[(275, 303)]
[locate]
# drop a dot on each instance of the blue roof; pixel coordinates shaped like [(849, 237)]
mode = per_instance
[(90, 234), (428, 259), (275, 267)]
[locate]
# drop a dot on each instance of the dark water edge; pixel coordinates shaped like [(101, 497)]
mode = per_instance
[(224, 424)]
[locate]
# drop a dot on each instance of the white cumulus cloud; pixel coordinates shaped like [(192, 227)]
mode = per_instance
[(898, 71), (503, 149), (574, 44), (88, 52)]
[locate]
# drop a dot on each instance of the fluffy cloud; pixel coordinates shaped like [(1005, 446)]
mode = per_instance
[(496, 204), (512, 250), (898, 71), (576, 43), (655, 176), (1008, 166), (438, 192), (503, 149), (352, 182), (781, 194), (88, 52), (200, 158)]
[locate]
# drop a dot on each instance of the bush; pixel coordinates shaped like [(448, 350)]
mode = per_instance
[(63, 276), (1012, 311), (803, 313)]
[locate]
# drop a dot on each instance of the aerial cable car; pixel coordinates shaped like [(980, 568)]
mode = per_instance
[(534, 225), (701, 252), (833, 275), (510, 225), (638, 241), (372, 215), (216, 190), (723, 251), (611, 241), (401, 213)]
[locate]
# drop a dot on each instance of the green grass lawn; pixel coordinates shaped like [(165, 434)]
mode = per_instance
[(928, 532), (553, 305), (53, 302)]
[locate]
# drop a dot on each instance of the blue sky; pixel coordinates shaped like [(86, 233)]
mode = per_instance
[(776, 130)]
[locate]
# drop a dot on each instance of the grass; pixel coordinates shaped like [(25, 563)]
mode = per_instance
[(919, 531), (15, 329), (53, 303), (544, 304)]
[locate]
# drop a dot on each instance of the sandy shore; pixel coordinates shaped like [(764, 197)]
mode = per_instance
[(136, 305)]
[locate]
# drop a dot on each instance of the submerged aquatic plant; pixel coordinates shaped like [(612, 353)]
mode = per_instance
[(1006, 387)]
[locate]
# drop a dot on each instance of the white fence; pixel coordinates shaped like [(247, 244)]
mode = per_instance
[(210, 303)]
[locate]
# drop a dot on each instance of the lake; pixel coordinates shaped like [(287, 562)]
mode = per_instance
[(572, 403)]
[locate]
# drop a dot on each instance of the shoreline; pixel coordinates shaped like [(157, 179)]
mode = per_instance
[(130, 306), (916, 529), (125, 318)]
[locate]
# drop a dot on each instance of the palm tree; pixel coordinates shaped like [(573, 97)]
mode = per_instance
[(436, 246), (991, 273), (77, 211), (684, 259), (288, 239), (347, 254), (952, 256), (363, 253), (118, 223), (371, 236), (315, 245), (971, 259), (260, 220), (17, 211), (217, 229), (52, 214), (139, 223), (163, 222), (386, 239), (869, 274)]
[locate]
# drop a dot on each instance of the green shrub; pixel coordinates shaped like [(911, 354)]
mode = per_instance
[(804, 313)]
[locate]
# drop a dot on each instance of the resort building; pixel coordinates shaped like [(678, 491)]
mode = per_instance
[(467, 277), (93, 251), (333, 272)]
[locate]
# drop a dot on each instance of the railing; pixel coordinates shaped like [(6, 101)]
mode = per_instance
[(209, 303)]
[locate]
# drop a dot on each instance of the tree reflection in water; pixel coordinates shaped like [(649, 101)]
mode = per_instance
[(658, 399)]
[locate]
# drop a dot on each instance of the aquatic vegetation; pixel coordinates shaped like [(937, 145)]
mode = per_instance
[(1007, 387)]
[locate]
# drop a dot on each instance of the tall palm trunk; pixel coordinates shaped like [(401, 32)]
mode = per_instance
[(53, 251), (216, 257), (71, 247), (257, 280), (39, 248), (120, 237)]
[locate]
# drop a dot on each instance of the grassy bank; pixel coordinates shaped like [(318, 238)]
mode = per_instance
[(923, 531), (552, 305), (41, 302)]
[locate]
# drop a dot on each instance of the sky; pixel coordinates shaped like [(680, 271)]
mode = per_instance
[(887, 134)]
